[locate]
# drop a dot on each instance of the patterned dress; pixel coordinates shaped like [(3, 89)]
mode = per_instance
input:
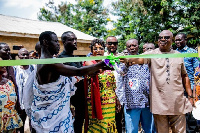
[(9, 119), (197, 84), (107, 88)]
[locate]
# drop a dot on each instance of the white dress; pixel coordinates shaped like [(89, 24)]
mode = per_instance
[(49, 107)]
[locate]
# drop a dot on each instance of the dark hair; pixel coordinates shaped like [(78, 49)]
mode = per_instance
[(2, 43), (183, 34), (65, 35), (37, 47), (98, 41), (46, 35)]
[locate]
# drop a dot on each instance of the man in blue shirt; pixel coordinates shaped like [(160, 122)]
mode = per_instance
[(190, 63), (134, 94)]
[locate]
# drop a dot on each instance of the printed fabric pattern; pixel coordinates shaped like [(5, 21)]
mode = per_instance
[(137, 82), (50, 110), (197, 83), (107, 88), (9, 119), (190, 63)]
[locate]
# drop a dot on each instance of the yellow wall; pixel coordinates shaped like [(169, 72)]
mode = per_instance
[(29, 43)]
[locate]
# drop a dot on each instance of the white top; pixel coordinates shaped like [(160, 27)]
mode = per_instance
[(21, 76)]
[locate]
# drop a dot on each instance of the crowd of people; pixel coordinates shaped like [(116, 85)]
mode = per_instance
[(154, 94)]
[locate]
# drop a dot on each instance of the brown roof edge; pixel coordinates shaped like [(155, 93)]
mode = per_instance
[(4, 33)]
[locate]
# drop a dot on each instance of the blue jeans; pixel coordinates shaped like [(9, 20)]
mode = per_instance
[(133, 116)]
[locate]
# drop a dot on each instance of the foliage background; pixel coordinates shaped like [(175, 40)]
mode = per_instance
[(140, 19)]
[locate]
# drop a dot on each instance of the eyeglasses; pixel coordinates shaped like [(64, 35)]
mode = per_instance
[(114, 43), (163, 37)]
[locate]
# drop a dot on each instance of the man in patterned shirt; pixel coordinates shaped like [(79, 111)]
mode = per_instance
[(135, 97), (190, 63), (168, 77)]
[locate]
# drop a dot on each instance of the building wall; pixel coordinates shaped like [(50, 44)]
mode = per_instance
[(29, 43), (82, 49)]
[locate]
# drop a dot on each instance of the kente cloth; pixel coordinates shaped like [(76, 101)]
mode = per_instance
[(107, 124), (9, 119), (107, 88), (21, 76)]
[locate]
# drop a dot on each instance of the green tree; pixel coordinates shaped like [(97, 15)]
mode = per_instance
[(88, 16), (62, 13), (140, 19), (189, 18), (144, 19), (92, 17)]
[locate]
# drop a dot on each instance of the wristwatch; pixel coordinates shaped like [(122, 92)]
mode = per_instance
[(190, 96)]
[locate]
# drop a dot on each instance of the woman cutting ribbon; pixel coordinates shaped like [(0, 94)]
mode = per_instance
[(101, 98)]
